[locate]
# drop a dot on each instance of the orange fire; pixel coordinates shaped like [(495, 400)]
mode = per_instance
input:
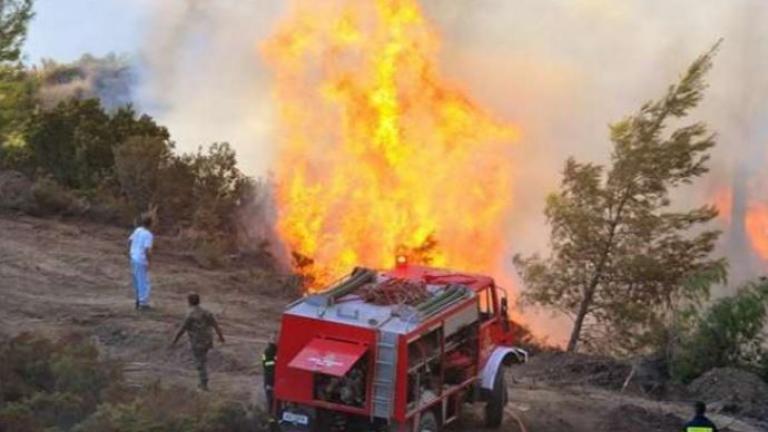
[(755, 219), (724, 203), (379, 155), (756, 222)]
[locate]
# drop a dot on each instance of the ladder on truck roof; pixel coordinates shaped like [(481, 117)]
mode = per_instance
[(384, 376)]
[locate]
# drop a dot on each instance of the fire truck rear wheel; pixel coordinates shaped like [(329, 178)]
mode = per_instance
[(428, 423), (494, 408)]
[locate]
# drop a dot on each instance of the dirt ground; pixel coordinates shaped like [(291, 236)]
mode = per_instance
[(58, 277)]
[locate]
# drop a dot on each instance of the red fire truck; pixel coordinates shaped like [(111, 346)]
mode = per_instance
[(396, 351)]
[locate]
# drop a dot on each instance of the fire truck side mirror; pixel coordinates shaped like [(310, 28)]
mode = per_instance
[(504, 307), (505, 313)]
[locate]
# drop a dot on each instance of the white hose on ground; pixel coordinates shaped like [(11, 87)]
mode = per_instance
[(517, 419)]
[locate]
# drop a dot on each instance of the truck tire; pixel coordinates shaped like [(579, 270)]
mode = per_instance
[(428, 423), (497, 400)]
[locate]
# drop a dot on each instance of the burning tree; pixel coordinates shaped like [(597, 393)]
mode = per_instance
[(620, 255), (379, 153)]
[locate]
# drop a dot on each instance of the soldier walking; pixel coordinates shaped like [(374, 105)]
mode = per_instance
[(199, 325)]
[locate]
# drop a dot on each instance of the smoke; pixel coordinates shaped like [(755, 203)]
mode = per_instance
[(110, 79), (202, 75), (561, 69), (565, 69), (750, 124)]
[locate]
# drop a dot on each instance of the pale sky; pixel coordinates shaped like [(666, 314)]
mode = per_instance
[(66, 29)]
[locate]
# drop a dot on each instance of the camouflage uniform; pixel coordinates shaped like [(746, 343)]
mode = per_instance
[(199, 326)]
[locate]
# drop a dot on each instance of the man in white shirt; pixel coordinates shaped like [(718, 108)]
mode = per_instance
[(140, 251)]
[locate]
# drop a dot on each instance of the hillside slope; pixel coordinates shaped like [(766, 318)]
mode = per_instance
[(60, 277)]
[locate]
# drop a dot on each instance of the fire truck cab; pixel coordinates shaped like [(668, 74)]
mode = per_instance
[(399, 350)]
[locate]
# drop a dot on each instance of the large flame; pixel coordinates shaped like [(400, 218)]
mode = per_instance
[(756, 223), (723, 202), (754, 219), (379, 154)]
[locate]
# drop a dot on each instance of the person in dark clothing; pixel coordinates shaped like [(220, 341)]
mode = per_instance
[(700, 422), (268, 363), (268, 360), (199, 326)]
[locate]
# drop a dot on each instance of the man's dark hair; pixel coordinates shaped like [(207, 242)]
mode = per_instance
[(700, 407), (146, 221), (193, 299)]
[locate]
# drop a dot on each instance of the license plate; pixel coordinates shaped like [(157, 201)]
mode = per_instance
[(294, 418)]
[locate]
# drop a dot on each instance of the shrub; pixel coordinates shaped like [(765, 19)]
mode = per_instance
[(107, 206), (25, 367), (730, 333), (207, 196), (217, 188), (15, 154), (229, 417), (49, 384), (61, 410), (112, 166), (176, 203), (78, 370), (16, 417), (50, 198), (138, 164), (72, 142), (170, 409), (210, 252), (14, 190)]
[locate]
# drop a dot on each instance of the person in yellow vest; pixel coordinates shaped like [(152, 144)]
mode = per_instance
[(700, 422)]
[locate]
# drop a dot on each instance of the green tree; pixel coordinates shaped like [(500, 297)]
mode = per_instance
[(14, 18), (620, 255), (143, 151), (203, 190), (177, 203), (126, 123), (17, 103), (218, 186), (139, 162), (73, 142), (16, 88)]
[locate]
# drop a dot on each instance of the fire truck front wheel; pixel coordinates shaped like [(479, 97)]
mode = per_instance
[(428, 423), (497, 399)]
